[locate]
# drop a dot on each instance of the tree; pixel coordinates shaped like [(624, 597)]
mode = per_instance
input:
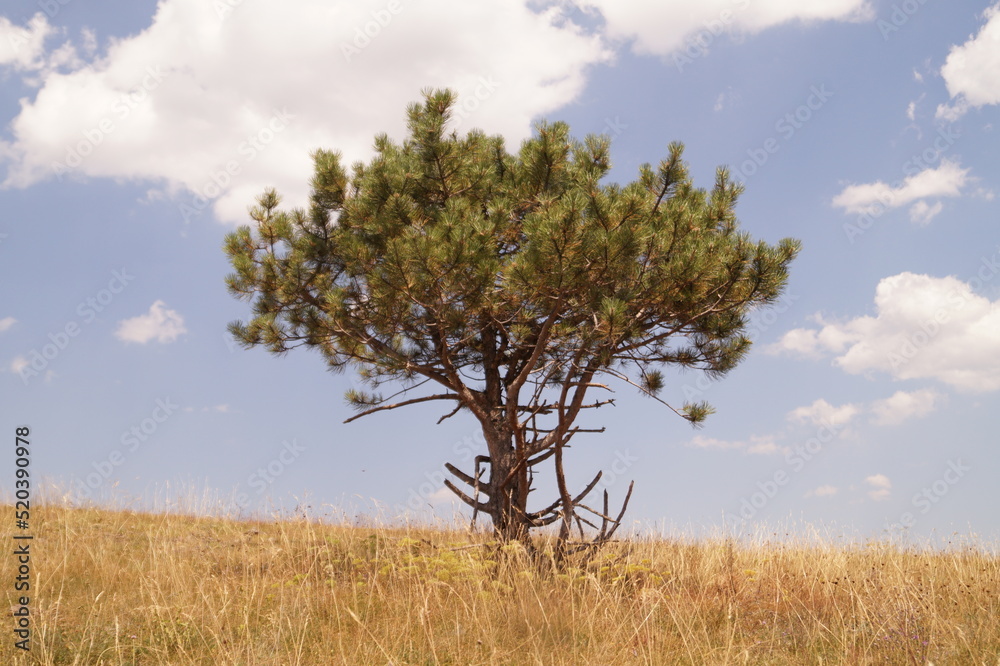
[(518, 285)]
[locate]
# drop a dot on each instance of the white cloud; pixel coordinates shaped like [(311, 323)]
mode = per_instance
[(762, 445), (823, 413), (972, 70), (823, 491), (662, 28), (222, 409), (22, 47), (702, 442), (904, 405), (802, 341), (442, 497), (921, 213), (924, 327), (159, 323), (911, 110), (757, 444), (953, 112), (947, 180), (178, 101), (6, 323), (18, 364), (881, 486)]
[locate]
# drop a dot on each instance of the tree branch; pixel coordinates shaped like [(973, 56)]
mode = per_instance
[(426, 398)]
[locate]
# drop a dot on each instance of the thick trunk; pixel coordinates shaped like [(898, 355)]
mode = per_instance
[(508, 491)]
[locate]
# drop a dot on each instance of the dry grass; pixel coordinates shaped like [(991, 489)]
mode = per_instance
[(119, 587)]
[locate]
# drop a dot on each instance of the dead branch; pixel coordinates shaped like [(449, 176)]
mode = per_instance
[(478, 506), (450, 414), (426, 398)]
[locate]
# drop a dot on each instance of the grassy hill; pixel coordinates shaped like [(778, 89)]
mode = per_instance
[(118, 587)]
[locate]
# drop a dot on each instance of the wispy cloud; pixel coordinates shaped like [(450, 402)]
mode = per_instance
[(881, 487), (755, 445), (665, 27), (18, 364)]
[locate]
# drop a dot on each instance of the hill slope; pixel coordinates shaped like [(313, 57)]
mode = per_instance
[(113, 587)]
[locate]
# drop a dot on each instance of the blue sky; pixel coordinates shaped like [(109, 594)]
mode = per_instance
[(136, 134)]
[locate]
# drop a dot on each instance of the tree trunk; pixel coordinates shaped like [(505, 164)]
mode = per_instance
[(507, 494)]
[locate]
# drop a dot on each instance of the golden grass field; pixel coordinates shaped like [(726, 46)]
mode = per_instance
[(120, 587)]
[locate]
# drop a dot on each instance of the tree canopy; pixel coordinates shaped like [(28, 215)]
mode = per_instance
[(513, 287)]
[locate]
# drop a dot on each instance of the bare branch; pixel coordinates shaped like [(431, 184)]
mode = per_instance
[(426, 398), (625, 379), (541, 457), (575, 501), (621, 514), (469, 479), (478, 506), (450, 414)]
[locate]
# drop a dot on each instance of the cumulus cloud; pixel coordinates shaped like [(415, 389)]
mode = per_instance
[(924, 327), (221, 104), (823, 413), (823, 491), (881, 486), (23, 47), (972, 70), (6, 323), (158, 324), (947, 180), (663, 28), (903, 405)]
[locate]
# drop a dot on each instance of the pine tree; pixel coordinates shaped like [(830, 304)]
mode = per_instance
[(513, 287)]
